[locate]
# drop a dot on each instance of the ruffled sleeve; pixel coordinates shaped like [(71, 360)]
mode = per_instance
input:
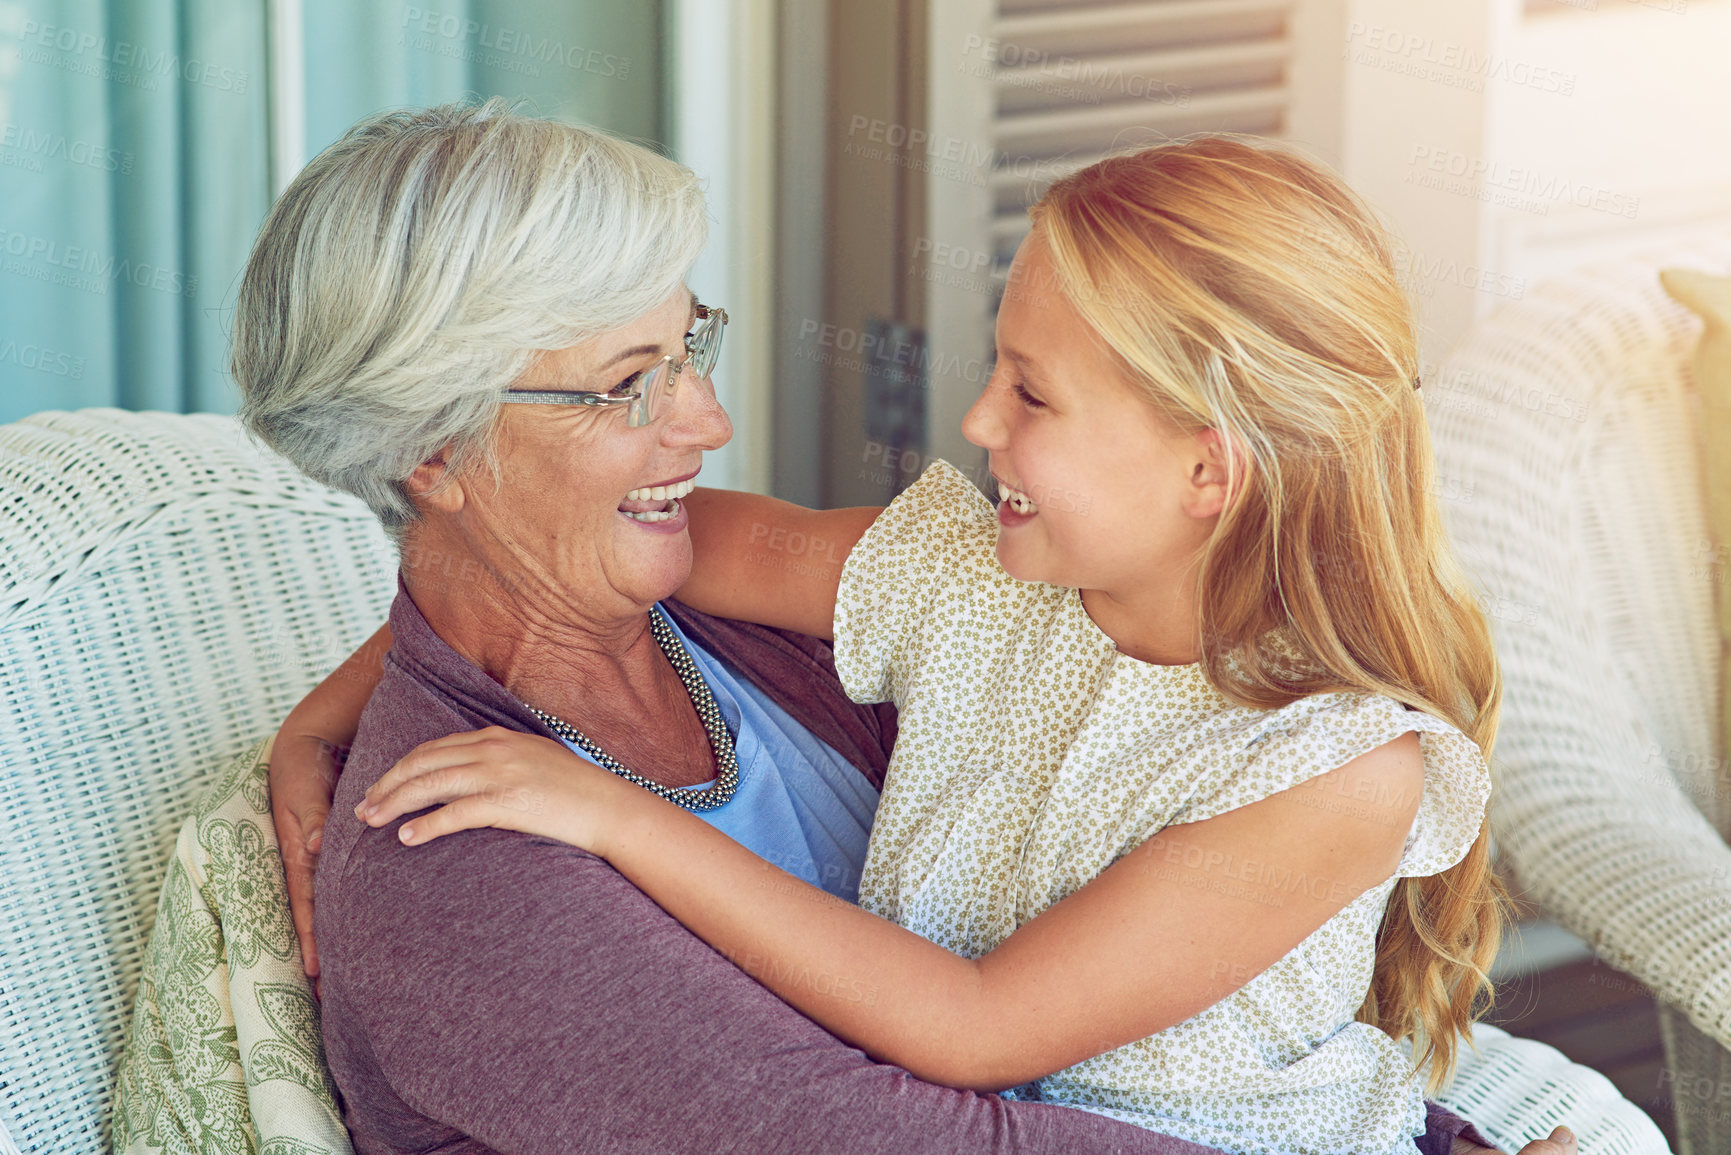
[(1309, 738), (894, 575)]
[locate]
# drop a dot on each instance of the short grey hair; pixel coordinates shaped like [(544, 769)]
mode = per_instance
[(414, 269)]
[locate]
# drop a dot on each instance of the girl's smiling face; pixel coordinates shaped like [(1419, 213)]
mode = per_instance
[(1103, 494)]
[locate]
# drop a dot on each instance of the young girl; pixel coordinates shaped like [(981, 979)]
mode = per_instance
[(1185, 819)]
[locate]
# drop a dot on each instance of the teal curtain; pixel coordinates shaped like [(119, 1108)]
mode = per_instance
[(134, 160), (591, 61), (132, 175)]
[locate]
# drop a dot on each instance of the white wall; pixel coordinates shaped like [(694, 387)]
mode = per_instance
[(723, 88), (1402, 106), (1507, 142), (1646, 130)]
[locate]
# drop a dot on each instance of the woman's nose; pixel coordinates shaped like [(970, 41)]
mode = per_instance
[(697, 418)]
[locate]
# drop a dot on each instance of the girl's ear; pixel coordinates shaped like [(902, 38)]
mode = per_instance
[(1210, 466), (431, 484)]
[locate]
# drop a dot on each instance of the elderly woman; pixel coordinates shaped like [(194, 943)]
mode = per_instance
[(478, 323)]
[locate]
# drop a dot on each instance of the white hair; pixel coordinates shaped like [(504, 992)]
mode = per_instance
[(414, 269)]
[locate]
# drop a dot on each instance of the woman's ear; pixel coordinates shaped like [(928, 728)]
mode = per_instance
[(1210, 462), (432, 485)]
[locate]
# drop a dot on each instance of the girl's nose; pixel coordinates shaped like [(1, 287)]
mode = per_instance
[(983, 425)]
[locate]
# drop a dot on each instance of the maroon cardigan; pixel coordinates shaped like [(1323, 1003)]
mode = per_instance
[(493, 991)]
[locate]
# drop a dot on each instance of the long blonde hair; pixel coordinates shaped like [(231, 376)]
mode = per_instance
[(1248, 290)]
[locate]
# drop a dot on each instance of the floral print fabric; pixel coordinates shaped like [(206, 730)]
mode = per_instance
[(224, 1054)]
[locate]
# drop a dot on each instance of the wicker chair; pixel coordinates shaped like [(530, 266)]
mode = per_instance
[(169, 592), (1564, 427)]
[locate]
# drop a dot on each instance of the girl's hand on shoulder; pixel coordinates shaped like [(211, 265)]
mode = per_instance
[(500, 778)]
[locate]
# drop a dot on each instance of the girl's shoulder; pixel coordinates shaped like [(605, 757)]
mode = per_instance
[(925, 575), (1276, 750), (940, 521), (936, 542), (1318, 726)]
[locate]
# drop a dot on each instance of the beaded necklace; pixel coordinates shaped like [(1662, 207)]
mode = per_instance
[(720, 741)]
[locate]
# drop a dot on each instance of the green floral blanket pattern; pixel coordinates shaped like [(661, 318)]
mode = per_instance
[(224, 1055)]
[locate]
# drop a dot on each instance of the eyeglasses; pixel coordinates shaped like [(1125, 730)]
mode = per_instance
[(646, 392)]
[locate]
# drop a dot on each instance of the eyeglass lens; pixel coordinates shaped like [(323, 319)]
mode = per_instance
[(706, 346), (701, 355)]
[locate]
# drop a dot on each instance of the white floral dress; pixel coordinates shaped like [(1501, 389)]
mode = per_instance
[(1032, 754)]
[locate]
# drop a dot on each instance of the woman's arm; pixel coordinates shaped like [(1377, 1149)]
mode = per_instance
[(767, 561), (303, 775), (1165, 932)]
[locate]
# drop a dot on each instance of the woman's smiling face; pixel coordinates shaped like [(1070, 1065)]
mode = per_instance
[(562, 514), (1103, 493)]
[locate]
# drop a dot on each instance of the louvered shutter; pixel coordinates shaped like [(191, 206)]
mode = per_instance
[(1051, 85)]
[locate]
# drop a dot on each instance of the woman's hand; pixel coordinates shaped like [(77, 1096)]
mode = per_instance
[(303, 776), (501, 778)]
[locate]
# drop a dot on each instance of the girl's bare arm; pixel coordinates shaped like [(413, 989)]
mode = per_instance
[(767, 561), (1168, 930), (1159, 936), (304, 761)]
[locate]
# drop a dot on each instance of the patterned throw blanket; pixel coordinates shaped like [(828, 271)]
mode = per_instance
[(225, 1055)]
